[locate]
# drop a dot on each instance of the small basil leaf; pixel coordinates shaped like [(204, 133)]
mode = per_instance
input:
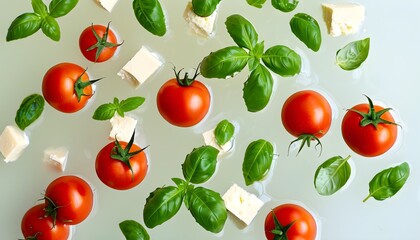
[(30, 109), (24, 26), (332, 175), (131, 103), (353, 54), (40, 8), (285, 5), (105, 112), (257, 161), (256, 3), (241, 31), (224, 63), (258, 50), (133, 230), (388, 182), (282, 60), (204, 8), (208, 209), (257, 89), (306, 28), (181, 184), (59, 8), (51, 28), (150, 15), (224, 132), (200, 164)]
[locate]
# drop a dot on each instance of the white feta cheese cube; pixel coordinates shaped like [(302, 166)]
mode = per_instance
[(210, 139), (108, 4), (12, 142), (122, 127), (56, 157), (343, 18), (143, 65), (242, 204), (203, 26)]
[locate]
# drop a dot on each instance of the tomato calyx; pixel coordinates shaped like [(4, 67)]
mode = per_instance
[(80, 85), (51, 209), (280, 231), (186, 81), (34, 237), (102, 42), (306, 140)]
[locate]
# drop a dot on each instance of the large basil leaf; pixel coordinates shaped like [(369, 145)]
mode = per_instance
[(51, 28), (241, 31), (256, 3), (388, 182), (282, 60), (150, 15), (40, 8), (133, 230), (200, 164), (162, 205), (332, 175), (306, 28), (204, 8), (224, 63), (24, 26), (59, 8), (208, 209), (285, 5), (224, 132), (353, 54), (257, 161), (30, 109), (257, 89)]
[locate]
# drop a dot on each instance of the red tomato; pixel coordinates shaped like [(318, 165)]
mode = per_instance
[(302, 223), (71, 198), (183, 102), (368, 140), (36, 225), (98, 47), (66, 87)]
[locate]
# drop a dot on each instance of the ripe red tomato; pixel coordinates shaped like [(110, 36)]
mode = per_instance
[(71, 198), (36, 225), (98, 43), (183, 102), (294, 221), (361, 135)]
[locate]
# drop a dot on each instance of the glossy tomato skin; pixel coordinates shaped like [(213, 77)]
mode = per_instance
[(58, 87), (116, 174), (306, 112), (88, 39), (304, 226), (73, 198), (183, 106), (36, 223), (368, 141)]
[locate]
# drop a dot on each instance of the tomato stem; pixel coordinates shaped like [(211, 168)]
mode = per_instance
[(80, 85), (280, 231), (186, 81), (102, 42), (306, 140)]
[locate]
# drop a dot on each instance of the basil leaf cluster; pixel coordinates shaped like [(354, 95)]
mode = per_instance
[(107, 111), (30, 110), (353, 54), (257, 161), (149, 14)]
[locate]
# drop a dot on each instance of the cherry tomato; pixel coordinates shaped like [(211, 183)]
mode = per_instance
[(183, 102), (294, 221), (71, 198), (98, 43), (369, 130), (37, 225)]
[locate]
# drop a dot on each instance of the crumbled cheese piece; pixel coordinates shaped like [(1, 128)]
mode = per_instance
[(143, 65), (108, 4), (242, 204), (57, 157), (200, 25), (343, 18), (122, 127), (12, 142), (210, 139)]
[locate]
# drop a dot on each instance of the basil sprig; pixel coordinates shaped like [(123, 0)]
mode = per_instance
[(43, 18), (149, 14), (257, 161), (133, 230), (332, 175), (353, 54), (107, 111), (204, 8), (306, 28), (224, 132), (285, 5), (30, 109)]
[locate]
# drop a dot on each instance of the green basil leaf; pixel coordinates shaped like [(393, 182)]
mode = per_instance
[(131, 103), (59, 8), (51, 28), (224, 63), (256, 3), (257, 161), (388, 182), (353, 54), (150, 15), (133, 230), (40, 8), (224, 132), (204, 8), (24, 26), (306, 28), (30, 109), (162, 205), (241, 31), (256, 53), (282, 60), (200, 164), (257, 89), (105, 111), (332, 175), (208, 209), (285, 5)]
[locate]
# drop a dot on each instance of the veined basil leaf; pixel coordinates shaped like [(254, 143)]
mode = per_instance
[(133, 230), (40, 8), (150, 15), (306, 28), (224, 63), (29, 111), (24, 26), (257, 161), (388, 182), (204, 8), (353, 54), (59, 8), (200, 164), (241, 31), (105, 111), (131, 103), (162, 205), (285, 5), (224, 132), (51, 28), (257, 89), (332, 175), (282, 60), (208, 209), (256, 3)]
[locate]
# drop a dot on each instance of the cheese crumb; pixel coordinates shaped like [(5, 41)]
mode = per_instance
[(122, 127), (57, 157), (343, 18), (108, 4), (203, 26), (12, 142)]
